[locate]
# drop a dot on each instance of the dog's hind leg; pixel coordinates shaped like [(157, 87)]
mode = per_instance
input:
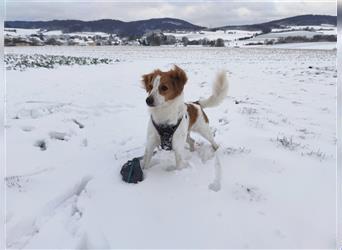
[(205, 132), (191, 142)]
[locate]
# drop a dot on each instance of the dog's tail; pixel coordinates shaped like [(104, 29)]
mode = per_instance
[(219, 92)]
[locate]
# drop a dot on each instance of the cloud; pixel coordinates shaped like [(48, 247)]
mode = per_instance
[(209, 14)]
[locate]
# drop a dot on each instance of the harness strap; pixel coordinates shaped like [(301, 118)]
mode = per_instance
[(166, 132)]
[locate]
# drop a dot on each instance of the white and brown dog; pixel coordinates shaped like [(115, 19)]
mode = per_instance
[(172, 120)]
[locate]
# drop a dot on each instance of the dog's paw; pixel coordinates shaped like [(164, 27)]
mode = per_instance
[(215, 186), (143, 165)]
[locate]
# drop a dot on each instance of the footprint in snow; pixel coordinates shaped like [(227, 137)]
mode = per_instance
[(59, 136), (84, 142), (20, 182), (80, 125), (41, 144), (247, 193), (223, 121), (27, 128), (296, 103), (16, 182)]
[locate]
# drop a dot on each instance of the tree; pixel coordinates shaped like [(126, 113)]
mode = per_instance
[(185, 40), (51, 41), (265, 29), (219, 42), (154, 39)]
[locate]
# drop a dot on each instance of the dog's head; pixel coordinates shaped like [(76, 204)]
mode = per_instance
[(163, 87)]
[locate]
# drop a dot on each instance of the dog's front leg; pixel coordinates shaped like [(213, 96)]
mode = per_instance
[(178, 145), (151, 145), (179, 158), (153, 141)]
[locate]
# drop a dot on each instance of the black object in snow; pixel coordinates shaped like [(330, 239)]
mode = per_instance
[(131, 171)]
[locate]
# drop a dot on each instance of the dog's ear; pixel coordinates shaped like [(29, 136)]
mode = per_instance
[(147, 81), (178, 77)]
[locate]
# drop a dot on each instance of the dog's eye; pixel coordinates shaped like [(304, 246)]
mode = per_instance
[(163, 88)]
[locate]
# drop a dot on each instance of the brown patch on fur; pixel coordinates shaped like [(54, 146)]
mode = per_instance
[(193, 113), (147, 80), (204, 114), (171, 82)]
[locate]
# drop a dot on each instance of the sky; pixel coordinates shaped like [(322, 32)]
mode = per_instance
[(204, 13)]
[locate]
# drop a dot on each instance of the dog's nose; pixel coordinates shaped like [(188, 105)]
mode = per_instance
[(149, 101)]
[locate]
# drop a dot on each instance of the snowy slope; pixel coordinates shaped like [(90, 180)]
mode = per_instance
[(70, 129), (21, 32), (213, 35), (273, 35), (28, 32), (308, 45)]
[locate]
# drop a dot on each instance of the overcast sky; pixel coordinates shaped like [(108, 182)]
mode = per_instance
[(205, 13)]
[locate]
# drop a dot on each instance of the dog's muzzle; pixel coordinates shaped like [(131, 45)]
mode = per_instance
[(150, 101)]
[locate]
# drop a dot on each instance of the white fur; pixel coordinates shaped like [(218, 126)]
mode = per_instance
[(216, 184), (170, 111), (158, 98), (219, 92)]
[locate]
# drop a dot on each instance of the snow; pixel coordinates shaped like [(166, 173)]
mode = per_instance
[(309, 45), (272, 35), (28, 32), (2, 149), (87, 34), (21, 32), (53, 33), (324, 29), (232, 36), (276, 130), (213, 35)]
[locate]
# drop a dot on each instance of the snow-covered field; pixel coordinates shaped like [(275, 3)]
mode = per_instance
[(308, 45), (232, 38), (213, 35), (70, 129), (326, 29), (273, 35), (25, 32)]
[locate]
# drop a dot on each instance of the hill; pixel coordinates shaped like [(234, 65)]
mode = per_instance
[(303, 20), (138, 28), (134, 28)]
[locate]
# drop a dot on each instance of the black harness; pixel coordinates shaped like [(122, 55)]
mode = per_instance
[(166, 132)]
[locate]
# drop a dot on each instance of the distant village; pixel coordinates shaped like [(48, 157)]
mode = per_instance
[(20, 37), (12, 38)]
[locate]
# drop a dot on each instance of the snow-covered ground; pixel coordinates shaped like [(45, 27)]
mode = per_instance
[(274, 35), (310, 45), (70, 129), (213, 35), (27, 32), (326, 29), (20, 32), (232, 38)]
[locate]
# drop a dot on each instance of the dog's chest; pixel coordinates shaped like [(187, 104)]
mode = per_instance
[(166, 133)]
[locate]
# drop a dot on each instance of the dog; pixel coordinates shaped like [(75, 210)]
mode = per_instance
[(171, 119)]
